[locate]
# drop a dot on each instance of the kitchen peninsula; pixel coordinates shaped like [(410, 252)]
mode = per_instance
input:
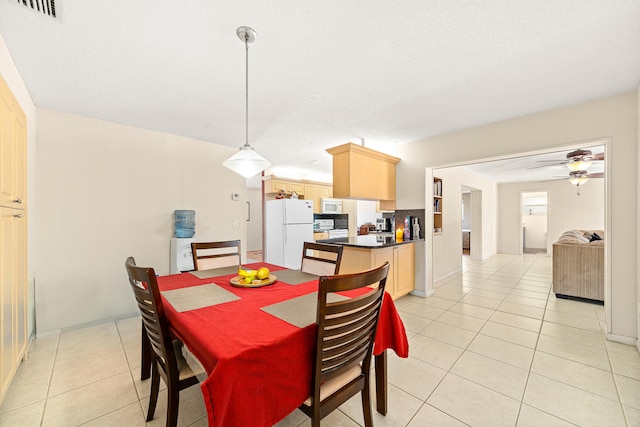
[(372, 250)]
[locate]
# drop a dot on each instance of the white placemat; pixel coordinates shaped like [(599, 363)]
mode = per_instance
[(195, 297), (300, 311), (215, 272), (294, 277)]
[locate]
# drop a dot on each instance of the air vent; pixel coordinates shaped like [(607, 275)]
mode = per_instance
[(45, 7)]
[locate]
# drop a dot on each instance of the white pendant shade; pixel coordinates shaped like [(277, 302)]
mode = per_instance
[(246, 162)]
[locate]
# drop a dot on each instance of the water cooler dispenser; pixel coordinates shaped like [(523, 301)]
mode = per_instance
[(181, 258), (184, 230)]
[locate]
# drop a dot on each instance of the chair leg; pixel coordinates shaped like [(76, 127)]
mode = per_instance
[(146, 357), (155, 387), (366, 407), (172, 406)]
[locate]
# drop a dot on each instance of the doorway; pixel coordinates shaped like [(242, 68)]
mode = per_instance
[(466, 221), (534, 222)]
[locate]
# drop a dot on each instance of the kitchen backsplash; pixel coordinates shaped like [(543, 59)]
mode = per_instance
[(418, 213), (340, 221)]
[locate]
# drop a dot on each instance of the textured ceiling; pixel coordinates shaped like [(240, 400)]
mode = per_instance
[(322, 73)]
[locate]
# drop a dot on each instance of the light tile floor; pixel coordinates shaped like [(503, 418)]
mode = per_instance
[(492, 347)]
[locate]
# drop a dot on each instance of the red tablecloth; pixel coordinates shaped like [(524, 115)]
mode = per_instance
[(258, 366)]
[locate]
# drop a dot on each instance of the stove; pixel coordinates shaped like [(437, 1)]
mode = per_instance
[(336, 234)]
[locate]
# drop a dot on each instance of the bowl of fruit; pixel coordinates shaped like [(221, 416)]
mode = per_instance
[(249, 278)]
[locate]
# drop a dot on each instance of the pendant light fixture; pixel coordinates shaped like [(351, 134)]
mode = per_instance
[(246, 162)]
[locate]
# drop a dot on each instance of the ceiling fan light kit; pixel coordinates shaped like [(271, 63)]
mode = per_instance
[(246, 162), (579, 165)]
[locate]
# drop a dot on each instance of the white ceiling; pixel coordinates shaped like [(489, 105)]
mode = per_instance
[(322, 73)]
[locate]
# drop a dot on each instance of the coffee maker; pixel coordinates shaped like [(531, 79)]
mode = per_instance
[(384, 225)]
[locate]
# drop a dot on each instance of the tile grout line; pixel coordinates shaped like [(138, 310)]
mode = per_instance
[(53, 365)]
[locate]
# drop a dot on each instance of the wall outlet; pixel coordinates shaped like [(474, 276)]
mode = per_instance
[(235, 197)]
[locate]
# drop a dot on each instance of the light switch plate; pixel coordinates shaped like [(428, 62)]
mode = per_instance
[(235, 197)]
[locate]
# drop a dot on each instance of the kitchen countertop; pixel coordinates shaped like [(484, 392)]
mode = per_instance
[(371, 241)]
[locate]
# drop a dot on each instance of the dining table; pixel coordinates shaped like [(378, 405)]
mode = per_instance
[(256, 344)]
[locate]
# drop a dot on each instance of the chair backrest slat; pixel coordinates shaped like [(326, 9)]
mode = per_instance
[(321, 258), (152, 312), (346, 329), (216, 254)]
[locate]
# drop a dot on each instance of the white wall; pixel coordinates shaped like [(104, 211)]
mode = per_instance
[(108, 191), (535, 234), (254, 227), (566, 210), (615, 118), (447, 247), (366, 211), (466, 219), (13, 79)]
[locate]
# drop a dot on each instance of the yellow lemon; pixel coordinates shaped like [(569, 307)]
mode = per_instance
[(263, 273)]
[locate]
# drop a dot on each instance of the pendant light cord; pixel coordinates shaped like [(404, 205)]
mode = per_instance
[(246, 46)]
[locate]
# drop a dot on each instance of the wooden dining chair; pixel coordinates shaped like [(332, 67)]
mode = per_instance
[(208, 255), (168, 361), (321, 259), (346, 330)]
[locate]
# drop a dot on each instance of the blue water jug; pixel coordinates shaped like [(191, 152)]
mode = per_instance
[(184, 223)]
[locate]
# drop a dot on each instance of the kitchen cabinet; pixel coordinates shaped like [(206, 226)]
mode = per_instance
[(437, 205), (13, 149), (308, 190), (13, 236), (386, 206), (312, 192), (320, 236), (326, 191), (298, 187), (401, 276), (13, 293), (363, 173), (317, 192), (275, 185)]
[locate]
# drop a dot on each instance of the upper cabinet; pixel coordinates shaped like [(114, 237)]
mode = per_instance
[(363, 173), (13, 149), (307, 190)]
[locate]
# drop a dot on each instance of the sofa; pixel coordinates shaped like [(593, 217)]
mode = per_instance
[(578, 265)]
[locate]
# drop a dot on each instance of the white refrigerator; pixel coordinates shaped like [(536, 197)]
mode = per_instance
[(288, 224)]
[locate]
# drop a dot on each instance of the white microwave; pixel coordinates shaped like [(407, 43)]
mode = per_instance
[(331, 206)]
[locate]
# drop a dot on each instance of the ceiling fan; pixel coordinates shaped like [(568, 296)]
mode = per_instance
[(577, 160), (579, 177)]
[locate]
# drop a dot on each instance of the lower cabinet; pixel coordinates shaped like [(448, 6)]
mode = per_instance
[(323, 235), (13, 293), (401, 258)]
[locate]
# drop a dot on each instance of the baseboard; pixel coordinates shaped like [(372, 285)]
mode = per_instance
[(86, 325), (48, 333), (447, 275), (422, 294), (621, 339)]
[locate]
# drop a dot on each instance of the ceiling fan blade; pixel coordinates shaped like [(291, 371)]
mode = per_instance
[(597, 156), (554, 179), (547, 165), (596, 175)]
